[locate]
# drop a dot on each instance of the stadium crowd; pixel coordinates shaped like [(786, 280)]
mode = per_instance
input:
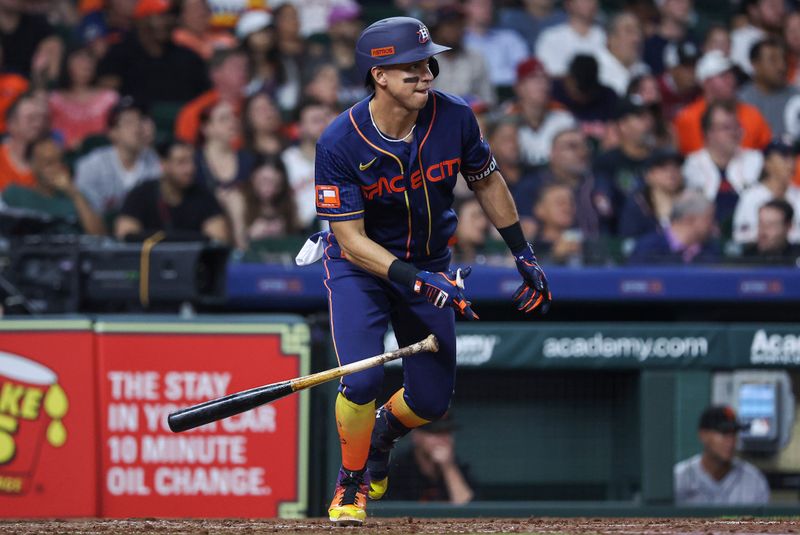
[(629, 131)]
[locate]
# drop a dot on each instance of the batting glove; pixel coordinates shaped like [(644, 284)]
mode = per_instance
[(444, 288), (534, 292)]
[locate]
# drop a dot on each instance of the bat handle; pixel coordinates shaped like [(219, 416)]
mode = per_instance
[(430, 344)]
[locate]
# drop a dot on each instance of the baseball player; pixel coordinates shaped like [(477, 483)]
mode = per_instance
[(385, 172)]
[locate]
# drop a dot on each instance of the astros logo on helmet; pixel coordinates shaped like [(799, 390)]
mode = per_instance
[(423, 33)]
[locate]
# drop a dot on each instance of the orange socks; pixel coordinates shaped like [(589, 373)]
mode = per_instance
[(354, 423), (399, 408)]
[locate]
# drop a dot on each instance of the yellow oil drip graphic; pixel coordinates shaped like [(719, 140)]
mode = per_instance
[(56, 406)]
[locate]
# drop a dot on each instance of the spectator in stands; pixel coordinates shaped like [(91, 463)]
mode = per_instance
[(558, 45), (775, 183), (722, 169), (323, 85), (687, 238), (716, 476), (531, 19), (344, 27), (30, 44), (80, 109), (502, 49), (791, 38), (557, 238), (503, 135), (769, 91), (646, 89), (540, 121), (298, 159), (26, 121), (12, 86), (106, 24), (262, 126), (256, 35), (764, 19), (175, 204), (648, 209), (462, 70), (673, 28), (715, 74), (271, 211), (570, 164), (581, 92), (228, 71), (147, 65), (718, 37), (621, 60), (471, 233), (195, 32), (54, 193), (107, 174), (291, 50), (622, 168), (430, 471), (776, 221), (677, 83)]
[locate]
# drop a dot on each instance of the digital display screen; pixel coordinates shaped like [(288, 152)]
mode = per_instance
[(758, 407)]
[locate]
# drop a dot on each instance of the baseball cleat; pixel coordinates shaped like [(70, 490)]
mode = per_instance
[(349, 505), (377, 488)]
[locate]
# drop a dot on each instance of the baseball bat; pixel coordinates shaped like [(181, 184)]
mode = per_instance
[(220, 408)]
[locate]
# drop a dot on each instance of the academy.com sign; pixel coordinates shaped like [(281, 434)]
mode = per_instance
[(781, 349), (625, 347)]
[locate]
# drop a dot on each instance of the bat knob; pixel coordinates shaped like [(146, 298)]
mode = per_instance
[(431, 343)]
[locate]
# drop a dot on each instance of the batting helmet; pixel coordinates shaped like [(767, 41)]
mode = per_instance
[(395, 40)]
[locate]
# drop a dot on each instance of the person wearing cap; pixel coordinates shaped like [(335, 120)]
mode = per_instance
[(430, 471), (716, 476), (677, 84), (256, 35), (675, 17), (385, 174), (714, 73), (621, 60), (228, 71), (764, 19), (775, 183), (687, 239), (502, 49), (194, 30), (776, 220), (648, 209), (558, 45), (541, 120), (769, 91), (147, 65), (463, 70), (623, 166), (722, 169), (106, 174)]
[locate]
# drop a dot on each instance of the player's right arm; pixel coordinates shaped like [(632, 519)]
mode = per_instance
[(360, 249)]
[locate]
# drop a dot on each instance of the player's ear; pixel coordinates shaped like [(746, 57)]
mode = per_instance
[(379, 75)]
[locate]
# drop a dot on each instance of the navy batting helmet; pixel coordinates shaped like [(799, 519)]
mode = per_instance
[(395, 40)]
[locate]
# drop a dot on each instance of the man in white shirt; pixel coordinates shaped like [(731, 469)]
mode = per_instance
[(621, 60), (298, 159), (716, 476), (764, 18), (502, 49), (776, 183), (579, 35), (722, 169), (107, 174)]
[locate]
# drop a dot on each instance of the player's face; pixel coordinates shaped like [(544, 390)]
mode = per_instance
[(408, 83), (720, 446)]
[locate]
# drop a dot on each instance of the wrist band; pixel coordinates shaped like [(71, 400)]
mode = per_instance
[(403, 273), (513, 237)]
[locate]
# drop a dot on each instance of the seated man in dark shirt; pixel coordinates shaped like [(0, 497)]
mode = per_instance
[(175, 203), (772, 245)]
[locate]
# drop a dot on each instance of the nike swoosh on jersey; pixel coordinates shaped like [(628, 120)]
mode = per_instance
[(365, 166)]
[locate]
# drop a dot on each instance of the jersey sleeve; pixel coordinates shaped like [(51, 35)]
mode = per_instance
[(337, 195), (477, 160)]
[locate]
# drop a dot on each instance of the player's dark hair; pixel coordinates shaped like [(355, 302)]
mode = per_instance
[(783, 207), (770, 42), (708, 115)]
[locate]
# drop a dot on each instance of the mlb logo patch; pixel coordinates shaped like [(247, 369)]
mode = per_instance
[(328, 197)]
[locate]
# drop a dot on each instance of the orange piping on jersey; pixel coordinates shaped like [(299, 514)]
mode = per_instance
[(341, 215), (424, 178), (402, 171)]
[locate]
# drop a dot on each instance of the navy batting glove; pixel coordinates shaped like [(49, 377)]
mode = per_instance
[(444, 288), (534, 292)]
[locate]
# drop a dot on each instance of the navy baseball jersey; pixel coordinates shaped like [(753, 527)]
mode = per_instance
[(404, 191)]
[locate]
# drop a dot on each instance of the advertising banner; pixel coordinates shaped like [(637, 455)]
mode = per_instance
[(48, 448), (250, 465)]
